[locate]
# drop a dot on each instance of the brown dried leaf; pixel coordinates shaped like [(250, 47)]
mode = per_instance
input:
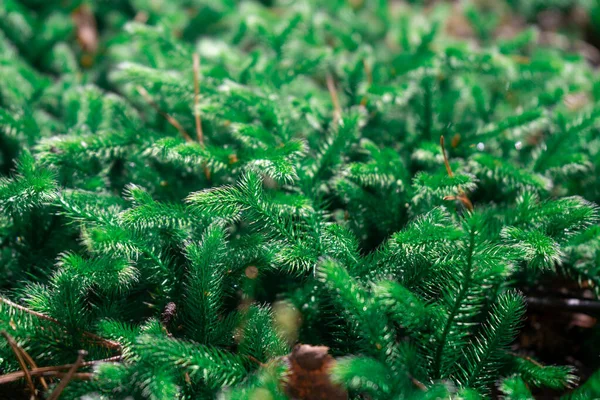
[(308, 376)]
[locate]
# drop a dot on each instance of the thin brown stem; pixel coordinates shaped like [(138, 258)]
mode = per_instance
[(33, 365), (27, 310), (531, 360), (16, 349), (50, 371), (256, 361), (466, 201), (337, 114), (68, 376), (15, 376), (446, 162), (102, 341), (420, 385), (462, 196), (86, 376), (144, 93), (199, 132)]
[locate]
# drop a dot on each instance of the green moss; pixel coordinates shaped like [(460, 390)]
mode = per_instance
[(301, 196)]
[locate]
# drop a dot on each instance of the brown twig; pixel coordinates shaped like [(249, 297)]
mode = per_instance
[(15, 376), (68, 376), (255, 360), (334, 98), (420, 385), (27, 310), (531, 360), (15, 348), (33, 365), (144, 93), (77, 375), (461, 196), (104, 342), (199, 132), (446, 162), (51, 371)]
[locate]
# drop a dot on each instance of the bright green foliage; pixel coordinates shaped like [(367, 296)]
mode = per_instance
[(537, 375), (588, 390), (319, 183), (515, 389)]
